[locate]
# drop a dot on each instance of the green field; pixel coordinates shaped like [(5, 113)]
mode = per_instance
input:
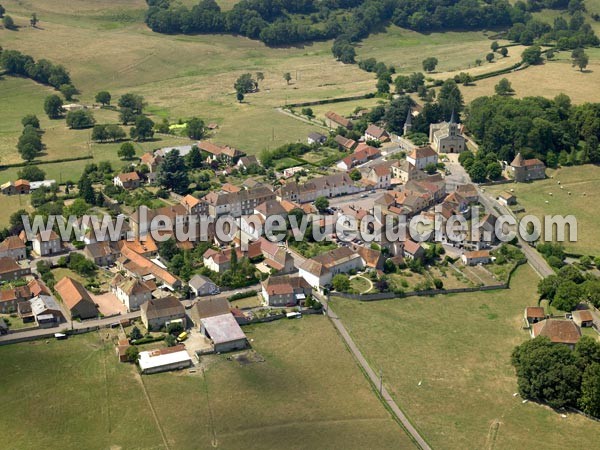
[(308, 393), (446, 361), (582, 183)]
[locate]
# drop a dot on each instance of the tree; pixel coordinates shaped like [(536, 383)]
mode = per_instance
[(355, 175), (172, 173), (532, 55), (308, 112), (244, 84), (431, 168), (126, 151), (34, 20), (429, 64), (31, 119), (8, 23), (170, 340), (114, 132), (489, 57), (341, 282), (143, 129), (321, 203), (549, 54), (32, 173), (68, 90), (79, 119), (103, 97), (132, 353), (53, 106), (99, 133), (450, 98), (494, 170), (478, 62), (86, 190), (478, 172), (259, 77), (195, 128), (127, 115), (168, 249), (504, 52), (579, 59), (133, 102), (383, 87), (504, 87), (547, 372), (135, 333), (568, 295), (589, 400), (239, 97), (494, 46), (287, 77), (2, 11)]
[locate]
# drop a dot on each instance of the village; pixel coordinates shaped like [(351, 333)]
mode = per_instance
[(130, 284)]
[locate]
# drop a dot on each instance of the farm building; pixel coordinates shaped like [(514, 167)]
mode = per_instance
[(583, 318), (558, 331), (165, 359), (224, 332), (534, 314)]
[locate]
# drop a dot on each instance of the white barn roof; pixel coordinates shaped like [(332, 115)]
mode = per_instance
[(149, 361)]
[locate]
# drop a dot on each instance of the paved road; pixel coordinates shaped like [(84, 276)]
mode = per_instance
[(376, 380)]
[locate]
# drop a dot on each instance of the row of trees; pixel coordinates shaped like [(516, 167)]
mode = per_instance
[(42, 71), (569, 287), (30, 144)]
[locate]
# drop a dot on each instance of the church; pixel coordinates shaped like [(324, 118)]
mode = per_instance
[(446, 137)]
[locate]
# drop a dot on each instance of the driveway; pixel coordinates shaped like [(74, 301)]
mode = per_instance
[(109, 304)]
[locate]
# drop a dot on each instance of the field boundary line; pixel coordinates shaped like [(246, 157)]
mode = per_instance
[(158, 425), (384, 395)]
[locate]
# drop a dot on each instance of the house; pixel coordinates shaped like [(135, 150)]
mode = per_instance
[(128, 181), (10, 298), (468, 192), (224, 332), (558, 331), (132, 292), (333, 120), (421, 157), (328, 186), (46, 311), (10, 270), (156, 312), (413, 250), (37, 287), (446, 137), (284, 290), (22, 187), (476, 257), (404, 171), (361, 155), (103, 253), (276, 256), (151, 161), (138, 266), (522, 170), (194, 205), (164, 359), (201, 285), (583, 318), (534, 314), (344, 143), (245, 162), (320, 270), (375, 133), (143, 220), (380, 175), (76, 298), (237, 204), (316, 138), (226, 154), (46, 243), (372, 259), (507, 199), (217, 261), (13, 247)]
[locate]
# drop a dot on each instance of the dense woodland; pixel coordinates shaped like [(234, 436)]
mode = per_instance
[(283, 22)]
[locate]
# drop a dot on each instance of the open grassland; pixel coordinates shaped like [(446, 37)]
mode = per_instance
[(446, 360), (548, 80), (11, 204), (406, 49), (308, 393), (582, 183)]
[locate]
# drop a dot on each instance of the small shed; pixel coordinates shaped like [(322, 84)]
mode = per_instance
[(583, 318)]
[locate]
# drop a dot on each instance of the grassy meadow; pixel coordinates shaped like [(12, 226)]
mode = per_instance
[(582, 183), (77, 392), (446, 361)]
